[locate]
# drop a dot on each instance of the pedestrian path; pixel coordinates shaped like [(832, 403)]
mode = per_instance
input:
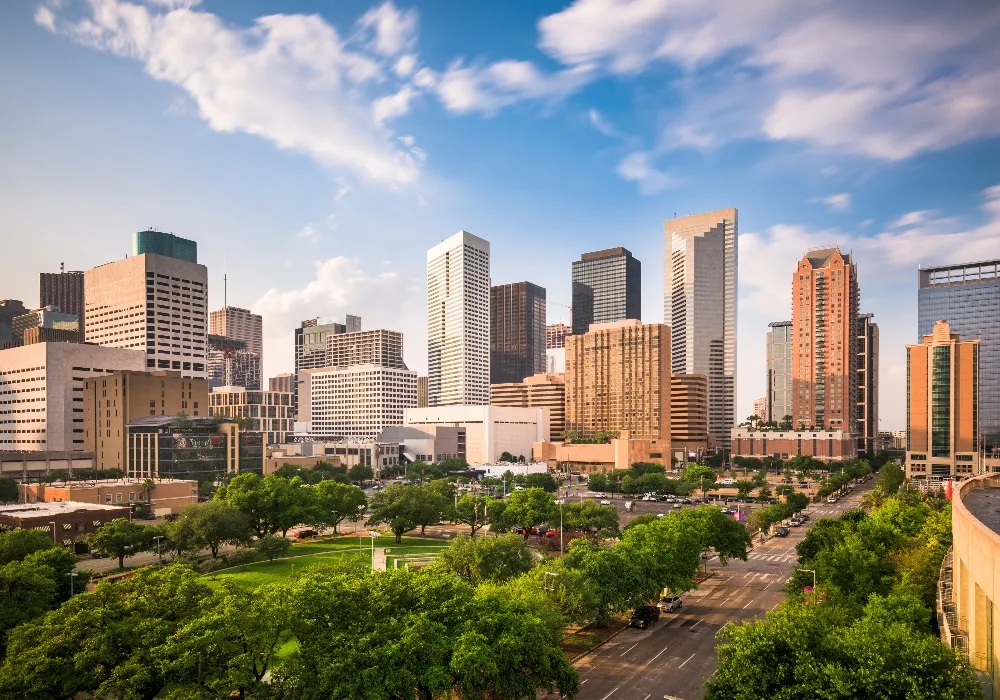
[(783, 558)]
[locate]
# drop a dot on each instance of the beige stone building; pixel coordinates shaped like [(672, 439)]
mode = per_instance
[(689, 413), (164, 495), (824, 445), (618, 453), (942, 404), (267, 412), (618, 379), (111, 402), (537, 391)]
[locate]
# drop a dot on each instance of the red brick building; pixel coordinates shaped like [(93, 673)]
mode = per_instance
[(824, 445), (67, 522)]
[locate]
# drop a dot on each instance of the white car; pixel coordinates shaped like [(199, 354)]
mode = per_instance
[(605, 502), (677, 505), (600, 494)]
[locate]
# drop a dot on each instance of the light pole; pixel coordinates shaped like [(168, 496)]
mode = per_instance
[(811, 571), (373, 535), (560, 502), (53, 524), (158, 538), (72, 576), (361, 509)]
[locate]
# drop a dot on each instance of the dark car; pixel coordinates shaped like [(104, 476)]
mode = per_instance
[(302, 534), (781, 532), (98, 555), (643, 617)]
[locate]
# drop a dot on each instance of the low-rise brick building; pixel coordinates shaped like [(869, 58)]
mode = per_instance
[(164, 495), (68, 522), (824, 445)]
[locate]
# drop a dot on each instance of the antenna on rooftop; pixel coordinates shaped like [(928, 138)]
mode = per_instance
[(225, 282)]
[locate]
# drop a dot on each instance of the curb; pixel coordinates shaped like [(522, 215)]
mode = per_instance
[(596, 646)]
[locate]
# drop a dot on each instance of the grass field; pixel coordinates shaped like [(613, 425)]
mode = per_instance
[(305, 555)]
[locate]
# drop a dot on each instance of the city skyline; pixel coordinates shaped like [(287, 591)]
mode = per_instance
[(310, 245)]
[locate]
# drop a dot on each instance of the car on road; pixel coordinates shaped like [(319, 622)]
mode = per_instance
[(644, 616), (605, 502), (803, 485), (782, 531), (832, 499), (803, 516), (552, 533), (670, 603), (302, 534), (98, 555), (677, 504), (600, 494), (795, 522)]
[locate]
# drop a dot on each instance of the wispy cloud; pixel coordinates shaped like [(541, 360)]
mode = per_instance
[(837, 202), (308, 233), (601, 123), (636, 167)]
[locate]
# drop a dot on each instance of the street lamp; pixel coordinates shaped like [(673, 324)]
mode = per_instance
[(53, 524), (811, 571), (72, 576), (158, 538), (373, 535), (560, 502), (361, 509)]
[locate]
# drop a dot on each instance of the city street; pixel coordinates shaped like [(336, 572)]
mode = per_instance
[(673, 658)]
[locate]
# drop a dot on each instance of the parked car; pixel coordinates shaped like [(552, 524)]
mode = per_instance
[(542, 531), (552, 533), (782, 531), (795, 522), (803, 516), (686, 500), (605, 502), (803, 484), (600, 494), (302, 534), (533, 531), (670, 603), (677, 504), (832, 499), (98, 555), (644, 616)]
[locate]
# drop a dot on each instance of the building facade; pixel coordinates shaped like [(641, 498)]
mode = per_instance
[(9, 310), (825, 341), (824, 445), (152, 303), (517, 332), (555, 361), (378, 455), (618, 379), (63, 290), (38, 465), (284, 382), (356, 402), (967, 296), (196, 449), (617, 453), (377, 347), (426, 443), (422, 392), (867, 383), (689, 413), (48, 318), (458, 321), (163, 496), (231, 363), (68, 522), (607, 288), (41, 392), (546, 391), (266, 412), (239, 324), (942, 406), (166, 244), (311, 347), (112, 401), (699, 305), (760, 407), (489, 430), (555, 335), (779, 372)]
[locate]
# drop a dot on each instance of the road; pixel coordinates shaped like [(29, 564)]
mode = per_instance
[(673, 658)]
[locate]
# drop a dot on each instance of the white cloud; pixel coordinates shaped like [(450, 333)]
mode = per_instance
[(488, 88), (341, 286), (395, 31), (392, 106), (601, 123), (838, 202), (45, 18), (331, 222), (289, 79), (405, 65), (913, 218), (636, 167), (308, 233)]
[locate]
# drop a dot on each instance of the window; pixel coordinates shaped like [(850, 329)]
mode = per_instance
[(107, 498), (118, 498), (131, 497)]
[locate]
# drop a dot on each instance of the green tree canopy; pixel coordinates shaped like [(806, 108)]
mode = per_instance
[(531, 507), (334, 502), (400, 507), (8, 490), (273, 546), (16, 544), (590, 518), (546, 482), (120, 538), (360, 472), (493, 559), (209, 525)]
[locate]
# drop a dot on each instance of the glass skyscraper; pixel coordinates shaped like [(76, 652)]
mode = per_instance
[(166, 244), (517, 332), (967, 296), (606, 288)]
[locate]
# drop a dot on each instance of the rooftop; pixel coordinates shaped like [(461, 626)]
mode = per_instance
[(94, 483), (44, 510), (984, 504)]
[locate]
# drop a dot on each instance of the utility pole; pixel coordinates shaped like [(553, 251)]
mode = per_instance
[(72, 576), (811, 571)]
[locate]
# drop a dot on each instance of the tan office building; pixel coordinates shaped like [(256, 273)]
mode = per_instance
[(537, 391), (689, 412), (618, 379), (111, 402), (164, 495), (267, 412), (942, 404)]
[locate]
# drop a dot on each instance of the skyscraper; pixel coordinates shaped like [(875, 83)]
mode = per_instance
[(942, 399), (282, 383), (699, 305), (67, 326), (618, 378), (458, 321), (555, 335), (63, 290), (239, 324), (779, 372), (377, 347), (165, 244), (967, 296), (867, 383), (9, 310), (825, 341), (310, 344), (153, 303), (517, 332), (607, 287), (231, 363)]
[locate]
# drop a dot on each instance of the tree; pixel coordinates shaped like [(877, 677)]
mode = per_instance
[(16, 544), (700, 476), (743, 488), (103, 642), (8, 490), (231, 645), (531, 507), (506, 456), (715, 530), (618, 581), (360, 472), (764, 494), (495, 559), (27, 591), (272, 503), (60, 562), (211, 524), (597, 482), (399, 507), (273, 546), (590, 518), (474, 511), (334, 502), (542, 481), (121, 538)]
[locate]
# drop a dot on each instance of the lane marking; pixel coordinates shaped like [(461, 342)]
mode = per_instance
[(748, 604), (775, 605), (656, 657), (647, 697), (629, 649), (697, 623), (584, 681), (609, 694), (682, 665)]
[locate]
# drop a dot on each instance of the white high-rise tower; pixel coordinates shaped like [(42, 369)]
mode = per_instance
[(458, 321), (699, 305)]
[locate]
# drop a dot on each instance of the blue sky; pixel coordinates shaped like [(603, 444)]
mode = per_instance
[(315, 150)]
